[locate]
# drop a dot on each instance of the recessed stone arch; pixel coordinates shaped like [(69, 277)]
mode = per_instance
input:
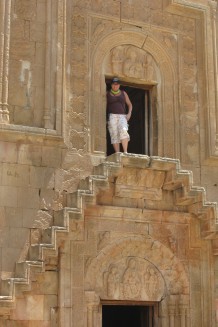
[(145, 259), (166, 85)]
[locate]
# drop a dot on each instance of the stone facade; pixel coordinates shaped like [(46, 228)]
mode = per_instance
[(79, 230)]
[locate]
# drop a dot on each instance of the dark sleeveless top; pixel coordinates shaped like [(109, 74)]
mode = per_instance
[(116, 103)]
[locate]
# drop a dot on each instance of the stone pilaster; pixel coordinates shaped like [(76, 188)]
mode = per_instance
[(163, 314), (48, 72), (183, 311), (172, 311), (5, 22), (213, 8), (93, 302)]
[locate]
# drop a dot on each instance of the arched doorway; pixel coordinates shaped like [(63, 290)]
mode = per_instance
[(138, 278), (143, 122), (134, 61)]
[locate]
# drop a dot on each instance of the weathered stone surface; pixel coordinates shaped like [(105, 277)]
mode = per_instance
[(142, 232)]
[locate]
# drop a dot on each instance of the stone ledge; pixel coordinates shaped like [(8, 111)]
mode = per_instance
[(27, 134)]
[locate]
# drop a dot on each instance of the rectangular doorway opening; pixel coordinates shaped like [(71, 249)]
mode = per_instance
[(141, 122), (127, 316)]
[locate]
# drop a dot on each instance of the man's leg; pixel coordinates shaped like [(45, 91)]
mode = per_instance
[(116, 147), (113, 130), (125, 144), (123, 131)]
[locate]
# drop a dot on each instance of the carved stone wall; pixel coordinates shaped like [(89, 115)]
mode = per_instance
[(54, 58), (171, 59), (133, 255), (33, 77)]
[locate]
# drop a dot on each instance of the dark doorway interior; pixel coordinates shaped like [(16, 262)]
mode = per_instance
[(127, 316), (139, 123)]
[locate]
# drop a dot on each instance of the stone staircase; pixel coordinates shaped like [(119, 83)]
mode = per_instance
[(178, 181)]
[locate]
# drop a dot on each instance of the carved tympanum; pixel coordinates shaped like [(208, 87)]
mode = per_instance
[(133, 62), (133, 279)]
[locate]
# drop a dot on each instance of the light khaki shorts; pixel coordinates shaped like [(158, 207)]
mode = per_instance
[(118, 128)]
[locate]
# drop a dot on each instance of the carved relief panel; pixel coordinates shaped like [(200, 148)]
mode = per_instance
[(133, 279), (140, 183), (130, 61), (137, 268), (121, 266)]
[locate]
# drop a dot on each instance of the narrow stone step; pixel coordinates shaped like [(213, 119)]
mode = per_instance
[(22, 269)]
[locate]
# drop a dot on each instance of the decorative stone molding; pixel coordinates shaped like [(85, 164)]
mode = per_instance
[(93, 301), (129, 267), (105, 59), (213, 10), (52, 67), (206, 12), (140, 184), (49, 69), (5, 22), (133, 279), (133, 62), (174, 311), (109, 274)]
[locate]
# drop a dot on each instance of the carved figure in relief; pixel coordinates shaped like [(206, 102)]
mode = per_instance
[(172, 243), (133, 66), (131, 281), (178, 282), (113, 283), (117, 60), (151, 281), (149, 68), (104, 238)]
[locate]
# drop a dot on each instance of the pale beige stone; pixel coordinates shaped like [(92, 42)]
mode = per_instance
[(9, 196), (142, 233), (37, 32), (25, 9), (17, 237), (26, 113), (48, 283), (40, 53), (22, 50), (15, 175), (42, 177), (50, 305), (30, 155), (19, 26), (29, 308), (8, 152), (29, 216), (51, 157), (28, 197), (8, 256), (38, 77), (41, 11)]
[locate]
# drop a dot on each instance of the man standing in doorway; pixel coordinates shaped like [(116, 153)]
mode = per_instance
[(118, 119)]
